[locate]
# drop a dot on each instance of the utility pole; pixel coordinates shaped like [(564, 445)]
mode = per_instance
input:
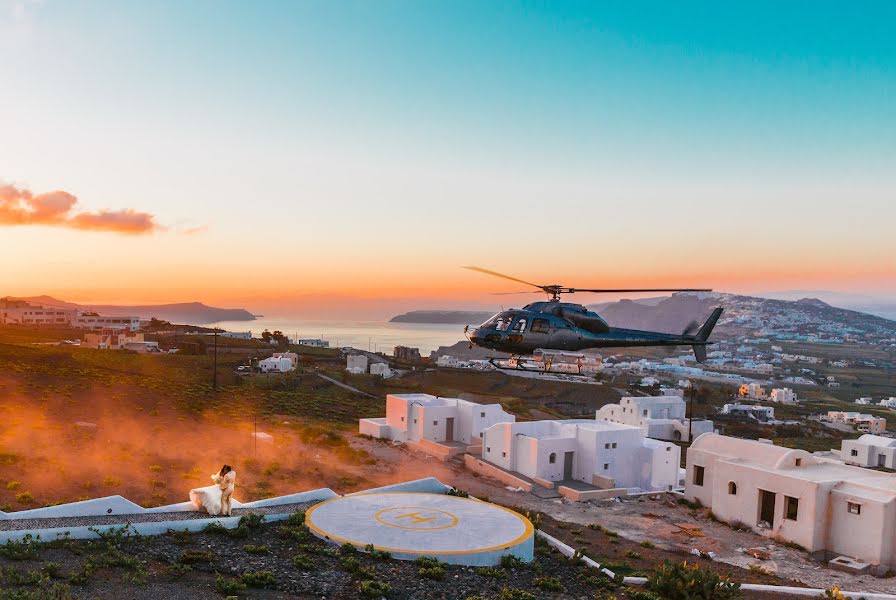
[(690, 411), (215, 368)]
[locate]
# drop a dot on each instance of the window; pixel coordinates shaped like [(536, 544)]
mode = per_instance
[(854, 452), (540, 326), (606, 446), (402, 419), (853, 508), (520, 325), (732, 488), (644, 413), (415, 421), (504, 454), (482, 415), (799, 461), (698, 475), (606, 466), (668, 448), (488, 448), (552, 458), (614, 444), (791, 508)]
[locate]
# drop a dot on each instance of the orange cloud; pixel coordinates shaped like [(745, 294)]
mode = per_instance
[(18, 206)]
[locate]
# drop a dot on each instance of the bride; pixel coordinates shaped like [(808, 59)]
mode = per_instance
[(215, 498)]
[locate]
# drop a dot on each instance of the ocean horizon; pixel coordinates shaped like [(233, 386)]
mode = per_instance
[(380, 336)]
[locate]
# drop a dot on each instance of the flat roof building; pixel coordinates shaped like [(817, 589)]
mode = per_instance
[(789, 494)]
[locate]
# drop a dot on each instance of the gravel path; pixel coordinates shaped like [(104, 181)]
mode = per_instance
[(21, 524)]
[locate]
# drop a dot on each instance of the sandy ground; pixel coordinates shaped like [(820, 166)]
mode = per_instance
[(657, 518)]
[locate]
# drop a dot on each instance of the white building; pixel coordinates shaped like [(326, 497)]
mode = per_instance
[(292, 356), (752, 411), (783, 396), (863, 401), (888, 402), (237, 335), (659, 417), (416, 417), (869, 451), (314, 343), (91, 320), (862, 422), (791, 495), (143, 347), (606, 455), (381, 369), (112, 339), (666, 391), (356, 364), (14, 312), (753, 391), (276, 364)]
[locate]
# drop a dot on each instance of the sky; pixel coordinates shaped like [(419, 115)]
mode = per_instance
[(278, 155)]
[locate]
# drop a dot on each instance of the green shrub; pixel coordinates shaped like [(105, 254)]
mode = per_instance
[(256, 549), (509, 561), (189, 557), (258, 579), (228, 587), (347, 549), (551, 584), (515, 594), (301, 561), (647, 544), (491, 572), (370, 588), (251, 520), (685, 581), (434, 573), (633, 594), (377, 554), (633, 555), (25, 549)]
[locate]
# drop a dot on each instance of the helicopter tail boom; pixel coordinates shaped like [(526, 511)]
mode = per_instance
[(703, 334)]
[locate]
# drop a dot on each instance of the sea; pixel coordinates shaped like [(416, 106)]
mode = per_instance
[(380, 336)]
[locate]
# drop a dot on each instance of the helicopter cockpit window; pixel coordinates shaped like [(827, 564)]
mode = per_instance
[(520, 325), (503, 323), (540, 326)]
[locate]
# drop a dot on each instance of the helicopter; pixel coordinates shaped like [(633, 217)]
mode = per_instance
[(556, 325)]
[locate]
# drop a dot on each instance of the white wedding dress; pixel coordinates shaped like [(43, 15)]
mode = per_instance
[(207, 498)]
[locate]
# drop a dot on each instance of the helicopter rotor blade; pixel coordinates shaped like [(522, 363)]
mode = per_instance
[(512, 293), (496, 274), (633, 291)]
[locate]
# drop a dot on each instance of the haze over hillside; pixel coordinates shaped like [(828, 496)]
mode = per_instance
[(195, 313)]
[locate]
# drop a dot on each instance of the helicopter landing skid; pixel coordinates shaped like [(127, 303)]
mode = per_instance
[(519, 363)]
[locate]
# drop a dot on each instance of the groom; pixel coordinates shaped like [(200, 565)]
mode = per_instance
[(226, 480)]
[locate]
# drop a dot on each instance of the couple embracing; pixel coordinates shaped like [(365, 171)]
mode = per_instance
[(216, 499)]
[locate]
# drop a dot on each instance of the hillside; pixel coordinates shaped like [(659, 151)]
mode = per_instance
[(195, 313), (448, 317)]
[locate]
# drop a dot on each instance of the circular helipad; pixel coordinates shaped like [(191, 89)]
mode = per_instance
[(410, 524)]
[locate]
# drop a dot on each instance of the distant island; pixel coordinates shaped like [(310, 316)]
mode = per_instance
[(446, 317), (195, 313)]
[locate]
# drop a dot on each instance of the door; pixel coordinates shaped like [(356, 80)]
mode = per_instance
[(881, 460), (567, 465), (767, 507), (449, 429)]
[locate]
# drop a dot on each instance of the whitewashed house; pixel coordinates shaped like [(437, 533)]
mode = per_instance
[(356, 364), (423, 417), (862, 422), (381, 369), (659, 417), (606, 455), (869, 451), (783, 396), (750, 411), (276, 364), (791, 495)]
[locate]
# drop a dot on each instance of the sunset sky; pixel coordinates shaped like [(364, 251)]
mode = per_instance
[(262, 154)]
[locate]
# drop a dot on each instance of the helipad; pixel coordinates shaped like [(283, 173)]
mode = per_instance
[(409, 524)]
